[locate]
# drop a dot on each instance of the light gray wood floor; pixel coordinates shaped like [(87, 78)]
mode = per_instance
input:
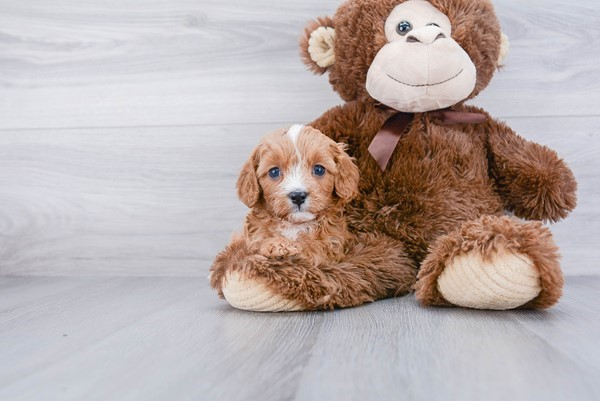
[(139, 338), (123, 125)]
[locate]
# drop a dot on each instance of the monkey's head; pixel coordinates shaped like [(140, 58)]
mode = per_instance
[(411, 55)]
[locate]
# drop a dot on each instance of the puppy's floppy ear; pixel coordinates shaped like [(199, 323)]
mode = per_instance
[(248, 188), (346, 179), (317, 45)]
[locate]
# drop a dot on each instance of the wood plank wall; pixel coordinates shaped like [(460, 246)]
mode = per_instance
[(123, 123)]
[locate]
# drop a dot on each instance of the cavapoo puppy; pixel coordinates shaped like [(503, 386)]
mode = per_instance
[(296, 183)]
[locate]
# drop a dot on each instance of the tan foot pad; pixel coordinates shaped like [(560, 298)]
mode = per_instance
[(253, 295), (506, 281)]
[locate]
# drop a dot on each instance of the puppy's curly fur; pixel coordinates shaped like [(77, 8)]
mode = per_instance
[(301, 249)]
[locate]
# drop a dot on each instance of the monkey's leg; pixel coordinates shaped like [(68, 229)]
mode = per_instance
[(374, 268)]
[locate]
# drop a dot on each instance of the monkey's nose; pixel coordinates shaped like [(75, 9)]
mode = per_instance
[(298, 197), (426, 35)]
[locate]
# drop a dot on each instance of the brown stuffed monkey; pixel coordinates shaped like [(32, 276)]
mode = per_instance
[(436, 176)]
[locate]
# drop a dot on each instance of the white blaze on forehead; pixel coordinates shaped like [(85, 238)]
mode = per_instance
[(294, 133), (294, 179)]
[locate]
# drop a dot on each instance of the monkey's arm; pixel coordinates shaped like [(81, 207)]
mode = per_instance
[(533, 181)]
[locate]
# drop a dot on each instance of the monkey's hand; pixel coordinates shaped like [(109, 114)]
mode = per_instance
[(533, 181)]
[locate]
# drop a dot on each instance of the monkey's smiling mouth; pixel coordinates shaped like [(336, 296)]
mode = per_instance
[(421, 85)]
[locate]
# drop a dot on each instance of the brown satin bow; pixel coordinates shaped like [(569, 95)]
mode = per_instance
[(385, 141)]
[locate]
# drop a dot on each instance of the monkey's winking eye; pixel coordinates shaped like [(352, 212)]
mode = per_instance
[(319, 170), (274, 173), (403, 28)]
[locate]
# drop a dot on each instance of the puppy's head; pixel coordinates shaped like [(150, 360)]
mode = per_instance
[(298, 174)]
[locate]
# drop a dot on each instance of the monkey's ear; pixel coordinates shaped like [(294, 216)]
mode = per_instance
[(504, 48), (317, 45), (248, 188), (346, 179)]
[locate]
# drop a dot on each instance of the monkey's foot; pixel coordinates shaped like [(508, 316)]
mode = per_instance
[(503, 281), (253, 295), (492, 263)]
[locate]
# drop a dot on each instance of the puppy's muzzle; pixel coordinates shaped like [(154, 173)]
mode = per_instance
[(298, 197)]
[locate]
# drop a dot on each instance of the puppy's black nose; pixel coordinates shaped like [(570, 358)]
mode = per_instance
[(298, 197)]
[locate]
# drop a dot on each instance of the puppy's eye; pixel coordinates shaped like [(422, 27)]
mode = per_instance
[(274, 172), (319, 170), (433, 24), (403, 28)]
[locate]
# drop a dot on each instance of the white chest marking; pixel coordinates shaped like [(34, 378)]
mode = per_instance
[(292, 231)]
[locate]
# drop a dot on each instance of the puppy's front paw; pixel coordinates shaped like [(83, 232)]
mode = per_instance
[(278, 248)]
